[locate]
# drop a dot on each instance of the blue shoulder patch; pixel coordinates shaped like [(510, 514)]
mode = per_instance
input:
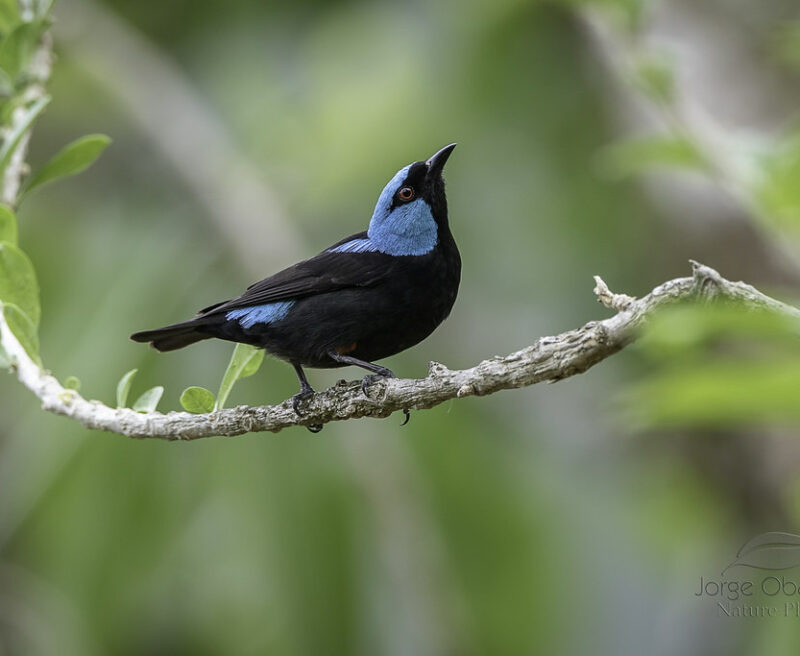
[(355, 246), (268, 313)]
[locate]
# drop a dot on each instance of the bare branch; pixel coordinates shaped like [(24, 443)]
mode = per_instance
[(548, 359)]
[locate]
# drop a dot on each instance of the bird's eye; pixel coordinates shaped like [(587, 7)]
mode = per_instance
[(405, 194)]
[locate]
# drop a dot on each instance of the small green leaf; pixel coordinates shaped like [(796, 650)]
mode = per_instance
[(18, 47), (197, 400), (124, 388), (633, 156), (11, 141), (23, 329), (72, 383), (245, 361), (70, 160), (148, 401), (8, 225), (253, 364), (18, 281)]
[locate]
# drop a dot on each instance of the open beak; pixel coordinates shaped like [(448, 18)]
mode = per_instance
[(437, 162)]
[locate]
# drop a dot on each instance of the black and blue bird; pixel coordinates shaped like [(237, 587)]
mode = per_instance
[(365, 298)]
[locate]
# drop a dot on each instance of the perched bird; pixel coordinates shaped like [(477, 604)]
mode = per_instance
[(367, 297)]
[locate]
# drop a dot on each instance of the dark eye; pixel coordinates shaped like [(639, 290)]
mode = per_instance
[(405, 194)]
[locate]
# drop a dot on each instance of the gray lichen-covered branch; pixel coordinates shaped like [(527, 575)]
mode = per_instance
[(548, 359)]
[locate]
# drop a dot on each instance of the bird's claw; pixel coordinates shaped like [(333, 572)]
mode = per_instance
[(300, 399), (371, 378)]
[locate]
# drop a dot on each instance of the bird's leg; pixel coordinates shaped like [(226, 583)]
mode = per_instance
[(305, 393), (379, 372)]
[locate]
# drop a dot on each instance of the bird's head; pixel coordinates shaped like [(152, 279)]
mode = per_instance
[(412, 206)]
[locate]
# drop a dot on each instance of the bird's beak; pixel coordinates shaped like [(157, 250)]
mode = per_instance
[(437, 162)]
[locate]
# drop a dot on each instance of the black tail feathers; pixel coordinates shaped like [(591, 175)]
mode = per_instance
[(172, 337)]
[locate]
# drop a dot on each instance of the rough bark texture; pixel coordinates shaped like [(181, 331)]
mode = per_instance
[(548, 359)]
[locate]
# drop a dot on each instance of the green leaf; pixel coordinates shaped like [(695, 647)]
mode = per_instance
[(18, 47), (253, 364), (724, 394), (9, 16), (18, 281), (8, 225), (72, 383), (11, 141), (148, 401), (245, 361), (633, 156), (717, 365), (23, 330), (683, 332), (197, 400), (124, 388), (72, 159)]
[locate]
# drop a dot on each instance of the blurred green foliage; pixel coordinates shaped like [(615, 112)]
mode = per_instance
[(486, 526), (722, 366)]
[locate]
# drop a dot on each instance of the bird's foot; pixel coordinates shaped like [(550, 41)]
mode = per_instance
[(301, 399), (371, 378)]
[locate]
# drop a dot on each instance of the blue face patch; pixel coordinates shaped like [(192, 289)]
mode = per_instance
[(408, 229), (268, 313)]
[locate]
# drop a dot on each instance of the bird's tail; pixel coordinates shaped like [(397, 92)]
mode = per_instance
[(173, 337)]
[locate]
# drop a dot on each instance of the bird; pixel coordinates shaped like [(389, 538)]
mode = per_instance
[(365, 298)]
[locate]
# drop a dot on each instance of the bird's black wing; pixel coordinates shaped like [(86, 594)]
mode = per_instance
[(323, 273)]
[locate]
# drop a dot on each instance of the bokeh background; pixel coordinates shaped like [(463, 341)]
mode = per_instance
[(542, 520)]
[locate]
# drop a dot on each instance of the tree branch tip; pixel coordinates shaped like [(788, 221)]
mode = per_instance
[(618, 302), (701, 271), (706, 281)]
